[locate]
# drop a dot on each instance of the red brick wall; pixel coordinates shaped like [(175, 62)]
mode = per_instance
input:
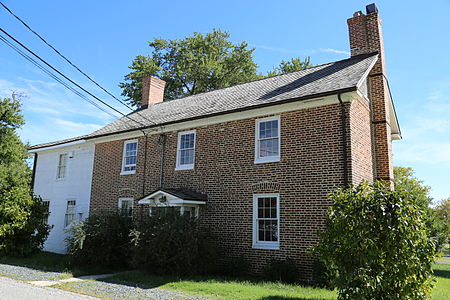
[(360, 141), (366, 36), (311, 166)]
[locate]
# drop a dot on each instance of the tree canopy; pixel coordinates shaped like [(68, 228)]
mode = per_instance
[(21, 228), (197, 64)]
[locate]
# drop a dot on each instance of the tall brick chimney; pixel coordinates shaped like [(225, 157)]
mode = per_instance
[(152, 91), (366, 37)]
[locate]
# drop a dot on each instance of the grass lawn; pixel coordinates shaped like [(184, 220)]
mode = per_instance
[(224, 288), (444, 259), (211, 286)]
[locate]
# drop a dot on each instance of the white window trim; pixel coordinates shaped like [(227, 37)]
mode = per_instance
[(190, 166), (58, 166), (74, 213), (267, 159), (265, 245), (123, 157), (119, 203)]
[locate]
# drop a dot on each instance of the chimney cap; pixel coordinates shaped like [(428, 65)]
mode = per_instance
[(371, 8)]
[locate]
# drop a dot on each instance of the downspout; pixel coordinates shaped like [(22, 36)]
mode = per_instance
[(162, 142), (33, 174), (145, 163), (344, 140)]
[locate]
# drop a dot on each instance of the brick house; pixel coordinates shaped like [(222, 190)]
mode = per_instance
[(256, 161)]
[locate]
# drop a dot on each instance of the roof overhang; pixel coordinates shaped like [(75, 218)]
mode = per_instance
[(170, 198), (33, 150)]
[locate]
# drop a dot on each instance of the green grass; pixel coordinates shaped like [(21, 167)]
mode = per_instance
[(224, 288), (441, 289), (444, 259)]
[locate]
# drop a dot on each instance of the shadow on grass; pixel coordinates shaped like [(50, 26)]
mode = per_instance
[(442, 273), (51, 262)]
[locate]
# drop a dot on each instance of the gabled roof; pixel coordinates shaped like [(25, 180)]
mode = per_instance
[(341, 76)]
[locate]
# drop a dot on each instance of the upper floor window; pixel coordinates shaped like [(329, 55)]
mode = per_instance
[(186, 150), (129, 157), (266, 221), (70, 212), (267, 140), (126, 206), (62, 166)]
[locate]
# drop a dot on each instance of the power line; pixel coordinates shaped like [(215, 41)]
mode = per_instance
[(65, 58), (72, 64), (68, 79), (30, 59)]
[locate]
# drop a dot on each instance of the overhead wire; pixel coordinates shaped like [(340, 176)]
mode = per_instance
[(56, 78), (72, 64), (70, 80), (64, 57)]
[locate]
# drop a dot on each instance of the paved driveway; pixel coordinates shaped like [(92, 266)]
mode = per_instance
[(11, 289)]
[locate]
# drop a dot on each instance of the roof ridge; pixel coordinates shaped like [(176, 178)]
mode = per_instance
[(268, 77)]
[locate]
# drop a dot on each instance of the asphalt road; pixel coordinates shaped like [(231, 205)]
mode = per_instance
[(11, 289)]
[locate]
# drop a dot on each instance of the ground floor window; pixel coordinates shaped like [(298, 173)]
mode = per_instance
[(70, 212), (126, 206), (266, 221), (46, 205)]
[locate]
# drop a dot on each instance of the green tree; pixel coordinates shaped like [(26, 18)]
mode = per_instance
[(404, 179), (192, 65), (375, 244), (442, 214), (295, 64), (22, 230)]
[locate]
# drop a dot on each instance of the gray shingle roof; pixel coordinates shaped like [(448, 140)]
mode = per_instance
[(312, 82)]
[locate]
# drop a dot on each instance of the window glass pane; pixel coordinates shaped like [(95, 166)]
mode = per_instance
[(187, 141), (268, 147), (268, 129), (186, 157)]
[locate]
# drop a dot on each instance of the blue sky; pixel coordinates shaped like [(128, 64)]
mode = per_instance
[(102, 37)]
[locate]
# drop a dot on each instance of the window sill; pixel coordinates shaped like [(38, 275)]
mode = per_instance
[(271, 246), (128, 172), (60, 179), (267, 160), (185, 167)]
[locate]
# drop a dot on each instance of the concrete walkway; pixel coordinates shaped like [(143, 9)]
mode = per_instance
[(73, 279)]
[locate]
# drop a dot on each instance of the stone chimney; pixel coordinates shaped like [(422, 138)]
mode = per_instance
[(152, 91), (366, 37)]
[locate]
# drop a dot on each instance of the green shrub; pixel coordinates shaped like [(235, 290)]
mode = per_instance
[(172, 244), (375, 244), (281, 270), (234, 266), (102, 240)]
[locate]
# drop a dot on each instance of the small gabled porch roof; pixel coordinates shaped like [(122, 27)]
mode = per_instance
[(174, 197)]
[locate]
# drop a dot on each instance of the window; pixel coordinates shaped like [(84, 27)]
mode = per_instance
[(62, 166), (126, 206), (267, 146), (266, 221), (129, 157), (46, 205), (186, 150), (70, 213), (191, 211)]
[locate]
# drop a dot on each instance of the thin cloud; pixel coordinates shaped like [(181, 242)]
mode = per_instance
[(300, 52)]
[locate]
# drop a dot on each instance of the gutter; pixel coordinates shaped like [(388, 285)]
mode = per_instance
[(344, 141)]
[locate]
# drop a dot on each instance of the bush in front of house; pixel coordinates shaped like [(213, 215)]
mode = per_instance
[(281, 270), (234, 266), (167, 243), (375, 244), (102, 240)]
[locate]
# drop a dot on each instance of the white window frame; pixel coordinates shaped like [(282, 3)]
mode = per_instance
[(46, 204), (267, 159), (121, 200), (59, 166), (186, 166), (74, 212), (125, 143), (273, 245)]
